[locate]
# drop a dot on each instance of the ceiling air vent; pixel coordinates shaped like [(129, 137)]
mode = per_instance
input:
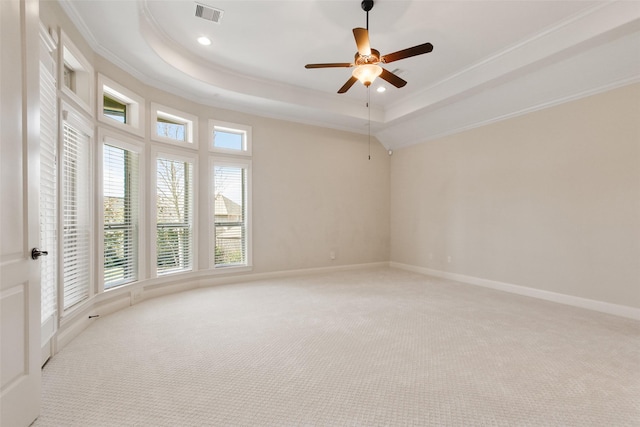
[(209, 13)]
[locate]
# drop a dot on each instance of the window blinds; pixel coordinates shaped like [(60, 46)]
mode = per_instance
[(230, 196), (48, 193), (76, 211), (120, 209), (174, 201)]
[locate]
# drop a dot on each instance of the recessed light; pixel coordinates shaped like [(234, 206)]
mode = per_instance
[(381, 89), (204, 41)]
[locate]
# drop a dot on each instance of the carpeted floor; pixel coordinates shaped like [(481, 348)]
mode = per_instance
[(361, 348)]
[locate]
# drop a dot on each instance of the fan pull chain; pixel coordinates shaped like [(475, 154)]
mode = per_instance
[(369, 116)]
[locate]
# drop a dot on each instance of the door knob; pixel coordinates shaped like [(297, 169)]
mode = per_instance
[(37, 253)]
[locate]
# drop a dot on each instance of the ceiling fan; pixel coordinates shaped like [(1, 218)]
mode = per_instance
[(367, 60)]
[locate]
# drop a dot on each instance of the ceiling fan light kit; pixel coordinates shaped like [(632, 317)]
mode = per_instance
[(367, 60), (367, 73)]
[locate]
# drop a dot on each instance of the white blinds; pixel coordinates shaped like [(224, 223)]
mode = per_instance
[(76, 211), (230, 214), (48, 192), (120, 209), (174, 201)]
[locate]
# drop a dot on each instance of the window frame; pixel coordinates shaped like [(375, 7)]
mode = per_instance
[(175, 155), (135, 111), (189, 120), (247, 165), (106, 137), (245, 130), (72, 58)]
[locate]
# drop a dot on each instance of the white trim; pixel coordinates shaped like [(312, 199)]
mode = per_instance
[(206, 278), (71, 115), (70, 55), (211, 280), (244, 130), (108, 137), (523, 111), (601, 306), (246, 164), (111, 138), (584, 26), (135, 121), (47, 39), (71, 326), (182, 156)]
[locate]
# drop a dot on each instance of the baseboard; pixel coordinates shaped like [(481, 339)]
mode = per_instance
[(252, 277), (72, 326), (601, 306)]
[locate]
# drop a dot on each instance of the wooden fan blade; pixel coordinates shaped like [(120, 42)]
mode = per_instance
[(362, 40), (407, 53), (392, 78), (348, 85), (330, 65)]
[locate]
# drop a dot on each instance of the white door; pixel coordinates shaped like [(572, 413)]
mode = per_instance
[(19, 162)]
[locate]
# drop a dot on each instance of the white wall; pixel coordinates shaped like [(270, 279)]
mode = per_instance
[(550, 200)]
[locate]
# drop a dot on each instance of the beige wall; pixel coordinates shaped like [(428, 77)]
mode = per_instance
[(550, 200), (314, 189)]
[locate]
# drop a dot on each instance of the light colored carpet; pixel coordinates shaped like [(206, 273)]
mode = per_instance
[(361, 348)]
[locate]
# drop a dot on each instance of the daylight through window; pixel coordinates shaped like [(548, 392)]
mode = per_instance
[(230, 191), (174, 201), (115, 109), (120, 209)]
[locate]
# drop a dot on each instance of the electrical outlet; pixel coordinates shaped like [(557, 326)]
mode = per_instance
[(332, 255), (449, 259)]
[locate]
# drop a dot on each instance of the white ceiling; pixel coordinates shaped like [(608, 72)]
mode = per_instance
[(491, 59)]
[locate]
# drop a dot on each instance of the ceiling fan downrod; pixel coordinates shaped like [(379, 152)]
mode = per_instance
[(367, 5)]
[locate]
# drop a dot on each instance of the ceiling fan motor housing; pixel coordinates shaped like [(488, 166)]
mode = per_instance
[(374, 58)]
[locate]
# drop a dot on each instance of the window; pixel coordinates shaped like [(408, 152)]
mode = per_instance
[(231, 214), (114, 109), (120, 213), (76, 210), (69, 78), (174, 213), (173, 126), (76, 75), (169, 127), (230, 138), (119, 107)]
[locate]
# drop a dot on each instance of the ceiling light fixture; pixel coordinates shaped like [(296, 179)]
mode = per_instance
[(381, 89), (204, 41), (367, 73)]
